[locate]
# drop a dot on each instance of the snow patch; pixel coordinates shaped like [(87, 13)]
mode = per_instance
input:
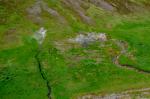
[(40, 35), (88, 38)]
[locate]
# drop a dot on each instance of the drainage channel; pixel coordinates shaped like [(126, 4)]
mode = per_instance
[(131, 67), (43, 74)]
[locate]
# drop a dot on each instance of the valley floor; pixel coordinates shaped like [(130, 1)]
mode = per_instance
[(51, 49)]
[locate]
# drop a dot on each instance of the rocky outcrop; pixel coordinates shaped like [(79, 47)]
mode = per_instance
[(85, 40), (130, 94), (126, 6), (35, 11), (103, 4), (40, 35), (79, 6)]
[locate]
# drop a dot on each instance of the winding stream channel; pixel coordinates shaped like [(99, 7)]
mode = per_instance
[(127, 66), (43, 73)]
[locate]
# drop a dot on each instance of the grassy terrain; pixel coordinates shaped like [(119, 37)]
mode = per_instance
[(75, 71)]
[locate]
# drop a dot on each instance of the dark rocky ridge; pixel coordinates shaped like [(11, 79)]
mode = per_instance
[(80, 7)]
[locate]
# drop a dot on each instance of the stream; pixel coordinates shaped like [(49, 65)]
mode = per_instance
[(43, 74), (124, 51)]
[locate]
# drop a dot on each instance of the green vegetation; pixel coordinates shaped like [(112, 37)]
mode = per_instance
[(76, 70)]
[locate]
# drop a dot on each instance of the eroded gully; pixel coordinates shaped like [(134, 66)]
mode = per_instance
[(127, 66), (44, 77)]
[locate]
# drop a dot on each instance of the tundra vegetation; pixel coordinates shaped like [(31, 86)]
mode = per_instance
[(70, 49)]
